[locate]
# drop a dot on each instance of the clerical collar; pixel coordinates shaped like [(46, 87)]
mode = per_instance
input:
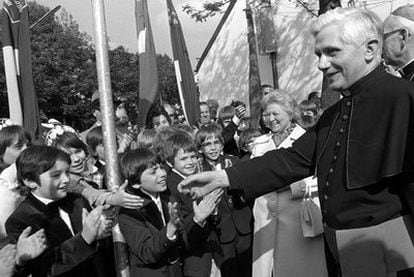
[(366, 81), (407, 69)]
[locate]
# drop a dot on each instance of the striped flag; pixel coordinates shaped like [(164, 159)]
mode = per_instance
[(23, 106), (148, 74), (187, 89)]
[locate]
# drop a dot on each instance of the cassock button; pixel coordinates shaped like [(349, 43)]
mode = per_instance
[(335, 157), (326, 198), (348, 103), (230, 201), (330, 170), (341, 131), (327, 184), (338, 144), (345, 117)]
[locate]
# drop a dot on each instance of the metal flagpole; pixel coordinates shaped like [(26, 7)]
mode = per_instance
[(108, 125)]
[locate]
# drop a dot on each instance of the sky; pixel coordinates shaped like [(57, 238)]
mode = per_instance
[(120, 21)]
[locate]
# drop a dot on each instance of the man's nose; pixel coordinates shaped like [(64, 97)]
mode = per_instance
[(323, 63)]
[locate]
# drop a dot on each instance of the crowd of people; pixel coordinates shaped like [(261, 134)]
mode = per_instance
[(222, 198)]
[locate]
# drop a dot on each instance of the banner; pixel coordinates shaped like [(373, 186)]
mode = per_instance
[(187, 89), (148, 74), (23, 106)]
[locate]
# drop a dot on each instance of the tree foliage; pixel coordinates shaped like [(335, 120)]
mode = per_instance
[(208, 9), (64, 71)]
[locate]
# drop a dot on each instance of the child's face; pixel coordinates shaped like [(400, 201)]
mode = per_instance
[(54, 182), (212, 148), (77, 158), (160, 122), (185, 162), (13, 151), (153, 179)]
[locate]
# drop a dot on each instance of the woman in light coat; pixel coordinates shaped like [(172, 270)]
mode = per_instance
[(279, 247)]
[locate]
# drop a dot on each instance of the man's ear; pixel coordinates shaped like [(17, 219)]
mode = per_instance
[(372, 49), (30, 184), (404, 36)]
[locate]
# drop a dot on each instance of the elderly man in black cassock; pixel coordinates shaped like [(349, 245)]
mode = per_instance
[(361, 150)]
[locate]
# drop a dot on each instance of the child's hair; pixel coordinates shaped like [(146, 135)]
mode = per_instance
[(186, 129), (70, 140), (158, 144), (146, 138), (175, 142), (226, 112), (135, 162), (37, 159), (155, 112), (246, 135), (94, 138), (308, 105), (10, 135), (207, 132)]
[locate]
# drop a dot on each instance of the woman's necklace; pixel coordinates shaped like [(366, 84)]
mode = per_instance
[(278, 138)]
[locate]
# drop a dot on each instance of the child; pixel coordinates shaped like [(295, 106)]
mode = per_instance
[(246, 142), (71, 231), (13, 140), (181, 154), (94, 140), (234, 224), (151, 232)]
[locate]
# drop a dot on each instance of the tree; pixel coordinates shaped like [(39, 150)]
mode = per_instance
[(64, 71), (208, 9)]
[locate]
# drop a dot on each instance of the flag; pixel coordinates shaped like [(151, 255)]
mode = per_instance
[(187, 89), (254, 73), (23, 106), (148, 74)]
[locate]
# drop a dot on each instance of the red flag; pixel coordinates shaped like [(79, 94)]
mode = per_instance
[(187, 89), (23, 106), (148, 74)]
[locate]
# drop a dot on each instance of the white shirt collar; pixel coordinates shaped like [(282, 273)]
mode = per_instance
[(42, 199)]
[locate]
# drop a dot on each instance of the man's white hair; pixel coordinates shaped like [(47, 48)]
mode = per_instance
[(356, 26)]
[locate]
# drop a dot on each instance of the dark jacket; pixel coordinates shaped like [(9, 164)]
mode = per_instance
[(66, 255), (151, 253)]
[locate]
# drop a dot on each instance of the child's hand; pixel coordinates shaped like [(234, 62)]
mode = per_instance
[(175, 220), (124, 199), (91, 223), (105, 228), (7, 260), (240, 111), (125, 142), (203, 209), (29, 247)]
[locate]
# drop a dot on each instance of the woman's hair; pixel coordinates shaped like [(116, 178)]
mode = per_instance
[(70, 140), (246, 135), (94, 138), (283, 99), (146, 138), (135, 162), (175, 142), (37, 159), (226, 112), (10, 135), (356, 25), (208, 131)]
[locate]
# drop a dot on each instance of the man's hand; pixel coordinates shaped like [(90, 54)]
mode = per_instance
[(91, 223), (203, 209), (201, 184), (124, 199), (7, 260), (29, 247)]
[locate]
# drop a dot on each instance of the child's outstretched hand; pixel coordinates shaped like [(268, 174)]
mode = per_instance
[(175, 221), (29, 247), (206, 206), (7, 260)]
